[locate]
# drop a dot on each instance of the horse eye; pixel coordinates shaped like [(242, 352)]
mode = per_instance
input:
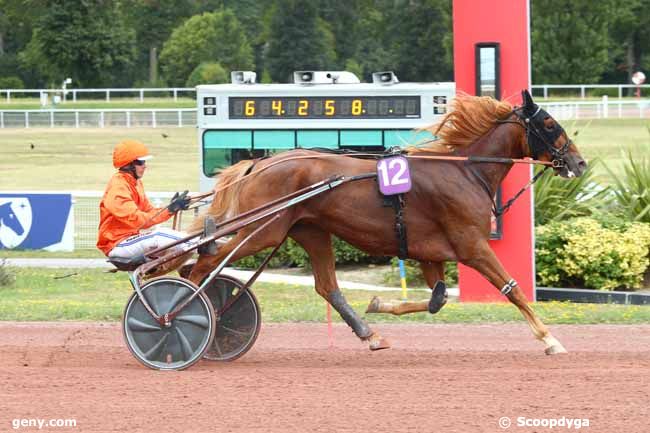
[(550, 127)]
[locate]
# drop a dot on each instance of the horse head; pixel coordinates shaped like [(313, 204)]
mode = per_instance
[(9, 219), (547, 140)]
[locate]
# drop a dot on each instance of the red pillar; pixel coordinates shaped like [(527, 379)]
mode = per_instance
[(507, 23)]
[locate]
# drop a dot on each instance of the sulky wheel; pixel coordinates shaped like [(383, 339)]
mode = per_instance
[(238, 319), (185, 340)]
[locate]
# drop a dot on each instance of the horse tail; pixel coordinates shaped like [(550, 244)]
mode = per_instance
[(226, 202)]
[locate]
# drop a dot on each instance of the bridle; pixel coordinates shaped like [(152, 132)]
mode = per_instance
[(542, 139)]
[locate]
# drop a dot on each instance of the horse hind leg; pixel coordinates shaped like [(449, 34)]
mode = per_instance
[(434, 275), (487, 263), (318, 245), (271, 236)]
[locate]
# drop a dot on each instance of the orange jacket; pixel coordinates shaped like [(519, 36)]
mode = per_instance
[(124, 210)]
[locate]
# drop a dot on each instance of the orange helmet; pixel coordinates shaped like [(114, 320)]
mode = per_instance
[(128, 151)]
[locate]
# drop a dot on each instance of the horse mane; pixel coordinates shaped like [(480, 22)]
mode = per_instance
[(225, 203), (470, 118)]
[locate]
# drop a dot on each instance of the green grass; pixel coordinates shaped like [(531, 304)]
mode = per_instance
[(67, 159), (114, 103), (81, 159), (606, 139), (91, 294)]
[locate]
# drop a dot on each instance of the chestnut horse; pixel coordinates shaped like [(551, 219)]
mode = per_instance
[(447, 211)]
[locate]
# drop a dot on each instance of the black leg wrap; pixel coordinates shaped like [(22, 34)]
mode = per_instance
[(350, 317), (438, 297)]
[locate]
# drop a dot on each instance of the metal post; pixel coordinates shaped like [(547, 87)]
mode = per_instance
[(2, 119), (108, 96), (8, 96), (175, 95), (582, 92), (141, 95), (153, 119), (620, 91), (76, 119), (545, 92), (51, 118), (180, 119), (26, 119), (101, 119), (128, 119), (74, 96), (605, 107)]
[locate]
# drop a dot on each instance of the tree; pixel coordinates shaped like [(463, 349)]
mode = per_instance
[(16, 21), (372, 52), (86, 40), (417, 31), (208, 73), (629, 49), (570, 40), (299, 40), (154, 21), (217, 36)]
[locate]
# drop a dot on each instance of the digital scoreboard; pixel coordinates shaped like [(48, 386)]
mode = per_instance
[(324, 107), (241, 121)]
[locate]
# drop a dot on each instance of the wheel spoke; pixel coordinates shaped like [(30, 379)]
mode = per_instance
[(154, 352), (136, 325), (152, 301), (186, 347), (180, 295), (195, 319)]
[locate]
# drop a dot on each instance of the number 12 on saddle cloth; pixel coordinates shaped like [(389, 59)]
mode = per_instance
[(393, 175)]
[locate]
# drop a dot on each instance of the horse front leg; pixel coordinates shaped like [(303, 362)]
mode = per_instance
[(318, 245), (434, 274), (487, 263)]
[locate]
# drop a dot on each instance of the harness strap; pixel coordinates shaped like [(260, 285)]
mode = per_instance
[(508, 287), (400, 226)]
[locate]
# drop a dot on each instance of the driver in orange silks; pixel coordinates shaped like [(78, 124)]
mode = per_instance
[(125, 209)]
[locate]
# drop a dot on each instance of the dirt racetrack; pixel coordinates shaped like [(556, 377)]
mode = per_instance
[(436, 378)]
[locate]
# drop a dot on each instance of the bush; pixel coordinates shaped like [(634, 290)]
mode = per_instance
[(207, 73), (292, 254), (414, 277), (6, 277), (557, 199), (11, 83), (602, 91), (632, 189), (217, 36), (583, 252)]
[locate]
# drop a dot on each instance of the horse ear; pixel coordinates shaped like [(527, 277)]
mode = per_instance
[(529, 105)]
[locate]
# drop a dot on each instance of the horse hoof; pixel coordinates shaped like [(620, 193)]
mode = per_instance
[(378, 343), (555, 350), (438, 297), (373, 306)]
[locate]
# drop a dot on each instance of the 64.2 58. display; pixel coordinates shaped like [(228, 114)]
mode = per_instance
[(321, 107)]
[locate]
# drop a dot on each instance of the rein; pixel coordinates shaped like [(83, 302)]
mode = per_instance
[(476, 159)]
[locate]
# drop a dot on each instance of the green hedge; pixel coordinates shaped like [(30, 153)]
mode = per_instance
[(584, 252), (292, 254)]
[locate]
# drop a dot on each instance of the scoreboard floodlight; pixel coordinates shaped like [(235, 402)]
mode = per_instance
[(326, 109)]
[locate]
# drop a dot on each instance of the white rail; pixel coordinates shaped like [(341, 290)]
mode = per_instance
[(175, 92), (105, 94), (583, 88), (604, 109), (98, 118)]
